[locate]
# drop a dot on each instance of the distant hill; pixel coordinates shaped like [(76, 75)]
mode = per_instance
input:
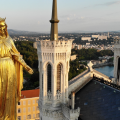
[(18, 32)]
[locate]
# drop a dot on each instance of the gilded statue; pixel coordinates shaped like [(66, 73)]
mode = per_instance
[(11, 74)]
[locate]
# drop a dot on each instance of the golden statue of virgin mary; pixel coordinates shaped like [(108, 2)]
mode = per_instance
[(11, 75)]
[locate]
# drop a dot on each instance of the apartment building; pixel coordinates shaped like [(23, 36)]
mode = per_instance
[(27, 108)]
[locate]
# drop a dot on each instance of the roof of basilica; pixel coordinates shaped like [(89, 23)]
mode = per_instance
[(98, 101)]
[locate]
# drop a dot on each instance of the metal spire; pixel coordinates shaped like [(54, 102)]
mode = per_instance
[(54, 22)]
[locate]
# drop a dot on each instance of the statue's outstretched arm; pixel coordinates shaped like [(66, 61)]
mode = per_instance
[(16, 56)]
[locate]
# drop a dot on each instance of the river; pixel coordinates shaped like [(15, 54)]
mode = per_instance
[(107, 70)]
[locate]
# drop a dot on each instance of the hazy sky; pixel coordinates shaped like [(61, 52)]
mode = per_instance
[(74, 15)]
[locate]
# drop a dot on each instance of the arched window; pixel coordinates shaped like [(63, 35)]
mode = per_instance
[(59, 77), (49, 77)]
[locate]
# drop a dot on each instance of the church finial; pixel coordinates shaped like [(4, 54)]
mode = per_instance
[(54, 22)]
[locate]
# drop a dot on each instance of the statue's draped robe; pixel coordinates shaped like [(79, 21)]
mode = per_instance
[(11, 79)]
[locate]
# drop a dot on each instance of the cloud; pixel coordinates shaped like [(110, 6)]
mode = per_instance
[(72, 17), (108, 3), (105, 4)]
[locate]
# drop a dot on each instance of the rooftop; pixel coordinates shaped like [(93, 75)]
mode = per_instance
[(98, 102), (30, 93)]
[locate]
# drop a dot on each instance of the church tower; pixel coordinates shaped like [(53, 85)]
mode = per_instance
[(54, 56)]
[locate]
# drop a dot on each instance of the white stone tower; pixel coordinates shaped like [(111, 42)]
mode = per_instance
[(54, 56), (117, 60)]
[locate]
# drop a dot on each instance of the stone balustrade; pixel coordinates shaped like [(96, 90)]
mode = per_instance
[(100, 75), (53, 114), (67, 113)]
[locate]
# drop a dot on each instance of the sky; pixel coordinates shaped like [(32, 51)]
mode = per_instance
[(74, 15)]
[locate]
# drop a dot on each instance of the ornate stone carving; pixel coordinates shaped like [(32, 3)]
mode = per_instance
[(90, 66), (49, 96), (51, 44)]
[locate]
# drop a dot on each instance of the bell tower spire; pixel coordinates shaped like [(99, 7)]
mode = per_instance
[(54, 22)]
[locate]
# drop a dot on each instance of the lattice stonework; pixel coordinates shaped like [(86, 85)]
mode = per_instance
[(49, 77), (58, 77)]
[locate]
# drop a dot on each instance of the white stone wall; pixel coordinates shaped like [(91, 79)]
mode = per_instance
[(102, 37), (86, 38), (79, 82)]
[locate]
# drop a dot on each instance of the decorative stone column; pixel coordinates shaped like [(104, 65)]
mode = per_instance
[(64, 86), (54, 87), (40, 80), (43, 87), (67, 71), (73, 100)]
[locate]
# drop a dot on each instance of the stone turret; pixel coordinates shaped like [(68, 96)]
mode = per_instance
[(54, 56)]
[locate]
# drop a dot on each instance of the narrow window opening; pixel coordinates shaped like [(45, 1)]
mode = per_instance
[(19, 117), (18, 103), (49, 77)]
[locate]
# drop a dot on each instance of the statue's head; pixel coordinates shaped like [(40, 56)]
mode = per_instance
[(3, 28)]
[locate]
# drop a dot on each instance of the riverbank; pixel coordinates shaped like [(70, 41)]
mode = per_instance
[(103, 64), (107, 70)]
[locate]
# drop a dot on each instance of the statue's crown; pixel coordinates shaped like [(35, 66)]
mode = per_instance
[(2, 21)]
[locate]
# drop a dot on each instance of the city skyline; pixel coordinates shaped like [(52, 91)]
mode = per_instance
[(74, 16)]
